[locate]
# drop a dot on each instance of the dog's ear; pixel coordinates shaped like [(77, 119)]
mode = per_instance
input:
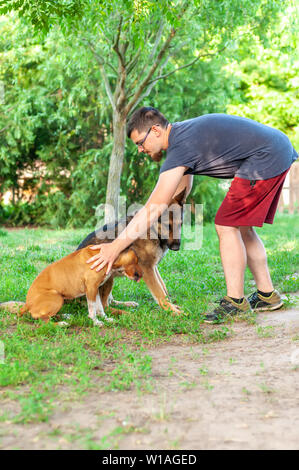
[(134, 272), (117, 263), (125, 258), (181, 197)]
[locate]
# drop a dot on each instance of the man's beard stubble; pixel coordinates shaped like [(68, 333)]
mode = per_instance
[(157, 156)]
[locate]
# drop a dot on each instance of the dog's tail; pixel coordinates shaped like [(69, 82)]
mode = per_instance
[(14, 307)]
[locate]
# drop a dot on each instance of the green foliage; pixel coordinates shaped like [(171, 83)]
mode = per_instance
[(41, 13), (267, 81), (53, 118), (56, 132)]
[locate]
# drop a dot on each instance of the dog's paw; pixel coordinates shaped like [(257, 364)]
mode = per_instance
[(177, 310), (174, 309), (67, 316), (131, 304), (123, 302), (98, 323), (62, 323), (11, 306)]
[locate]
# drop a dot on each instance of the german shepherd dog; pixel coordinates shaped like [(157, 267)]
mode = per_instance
[(150, 249)]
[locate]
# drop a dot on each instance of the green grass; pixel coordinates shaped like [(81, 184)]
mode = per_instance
[(45, 364)]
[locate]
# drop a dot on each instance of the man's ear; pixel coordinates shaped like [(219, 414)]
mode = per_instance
[(181, 197), (156, 129)]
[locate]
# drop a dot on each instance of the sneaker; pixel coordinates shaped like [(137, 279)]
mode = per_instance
[(260, 303), (227, 307)]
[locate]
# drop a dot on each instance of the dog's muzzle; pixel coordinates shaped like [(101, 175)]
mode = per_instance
[(175, 246)]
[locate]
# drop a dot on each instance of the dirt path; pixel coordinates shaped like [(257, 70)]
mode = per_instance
[(239, 393)]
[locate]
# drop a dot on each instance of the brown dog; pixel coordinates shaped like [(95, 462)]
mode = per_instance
[(71, 277), (149, 250)]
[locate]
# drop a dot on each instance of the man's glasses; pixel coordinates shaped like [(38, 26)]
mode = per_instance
[(141, 142)]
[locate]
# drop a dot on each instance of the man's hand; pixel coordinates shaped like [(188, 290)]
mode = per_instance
[(108, 254)]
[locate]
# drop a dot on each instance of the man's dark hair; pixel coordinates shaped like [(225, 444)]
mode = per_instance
[(143, 118)]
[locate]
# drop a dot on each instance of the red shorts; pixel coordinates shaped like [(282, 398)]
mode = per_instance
[(249, 203)]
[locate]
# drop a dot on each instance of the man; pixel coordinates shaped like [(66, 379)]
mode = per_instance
[(256, 156)]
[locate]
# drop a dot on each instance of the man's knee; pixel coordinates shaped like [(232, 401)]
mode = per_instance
[(248, 233), (225, 229)]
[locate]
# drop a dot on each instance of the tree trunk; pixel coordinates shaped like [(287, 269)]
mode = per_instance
[(116, 164)]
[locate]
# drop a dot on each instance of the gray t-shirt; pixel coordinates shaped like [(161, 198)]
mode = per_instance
[(225, 146)]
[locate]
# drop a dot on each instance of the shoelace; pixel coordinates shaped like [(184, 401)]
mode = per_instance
[(220, 301), (255, 297)]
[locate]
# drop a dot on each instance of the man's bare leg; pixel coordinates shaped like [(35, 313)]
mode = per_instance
[(233, 258), (257, 259)]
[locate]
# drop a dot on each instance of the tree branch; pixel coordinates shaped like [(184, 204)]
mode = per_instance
[(116, 47), (151, 85), (103, 72), (107, 86), (155, 47), (97, 56), (151, 71), (155, 65), (186, 65), (116, 42), (131, 64), (4, 129), (157, 40)]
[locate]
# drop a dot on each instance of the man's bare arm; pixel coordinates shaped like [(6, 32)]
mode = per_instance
[(186, 182)]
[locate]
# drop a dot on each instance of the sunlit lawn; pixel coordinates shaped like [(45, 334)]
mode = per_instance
[(46, 356)]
